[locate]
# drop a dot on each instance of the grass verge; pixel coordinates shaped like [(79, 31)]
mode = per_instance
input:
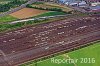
[(7, 18), (8, 27)]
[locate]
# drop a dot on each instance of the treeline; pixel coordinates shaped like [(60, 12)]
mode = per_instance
[(9, 5), (49, 9)]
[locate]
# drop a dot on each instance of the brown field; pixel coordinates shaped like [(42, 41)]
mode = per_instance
[(27, 12)]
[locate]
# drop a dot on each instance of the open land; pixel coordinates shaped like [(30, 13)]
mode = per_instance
[(33, 42), (7, 18), (39, 41)]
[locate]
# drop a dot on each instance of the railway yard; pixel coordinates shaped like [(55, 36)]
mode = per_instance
[(25, 44)]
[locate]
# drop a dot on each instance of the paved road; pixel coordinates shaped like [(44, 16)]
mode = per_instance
[(38, 41), (38, 18)]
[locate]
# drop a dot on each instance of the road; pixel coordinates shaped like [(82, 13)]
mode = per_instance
[(34, 42), (37, 18)]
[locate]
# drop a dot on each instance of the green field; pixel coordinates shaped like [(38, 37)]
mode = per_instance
[(92, 51), (51, 13), (7, 18), (88, 52), (6, 27)]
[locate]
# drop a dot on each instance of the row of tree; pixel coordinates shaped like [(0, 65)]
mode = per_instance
[(9, 5), (49, 9)]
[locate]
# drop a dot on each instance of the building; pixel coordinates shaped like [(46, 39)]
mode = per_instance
[(92, 1), (76, 3), (82, 4), (95, 4)]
